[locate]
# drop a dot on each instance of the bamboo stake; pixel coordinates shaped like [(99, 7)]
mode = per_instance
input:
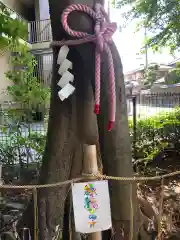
[(1, 181), (91, 167)]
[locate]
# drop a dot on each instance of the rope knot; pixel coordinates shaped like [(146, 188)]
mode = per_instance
[(102, 37), (104, 32), (109, 31), (104, 29)]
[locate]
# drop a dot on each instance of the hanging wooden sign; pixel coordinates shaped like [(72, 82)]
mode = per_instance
[(91, 205)]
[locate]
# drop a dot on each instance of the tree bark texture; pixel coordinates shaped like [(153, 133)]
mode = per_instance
[(72, 124), (67, 132), (116, 152)]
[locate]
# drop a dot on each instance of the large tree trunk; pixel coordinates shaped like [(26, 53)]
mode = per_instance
[(116, 154), (66, 134)]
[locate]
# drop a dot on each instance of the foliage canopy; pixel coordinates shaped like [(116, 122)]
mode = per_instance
[(173, 76), (160, 17), (11, 29), (151, 75), (26, 88)]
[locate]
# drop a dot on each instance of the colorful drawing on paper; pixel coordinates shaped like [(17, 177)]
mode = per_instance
[(90, 203), (91, 206)]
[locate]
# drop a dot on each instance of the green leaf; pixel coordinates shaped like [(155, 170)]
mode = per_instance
[(161, 18)]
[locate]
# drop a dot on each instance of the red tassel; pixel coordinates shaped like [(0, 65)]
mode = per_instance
[(96, 109), (110, 126)]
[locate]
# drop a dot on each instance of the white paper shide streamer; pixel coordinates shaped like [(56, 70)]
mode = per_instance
[(66, 77)]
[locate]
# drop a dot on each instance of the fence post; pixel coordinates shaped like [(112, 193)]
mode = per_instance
[(29, 32), (1, 200), (134, 101), (25, 234), (91, 167)]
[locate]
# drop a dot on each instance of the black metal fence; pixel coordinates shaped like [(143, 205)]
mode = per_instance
[(150, 104), (22, 137), (43, 70), (154, 121)]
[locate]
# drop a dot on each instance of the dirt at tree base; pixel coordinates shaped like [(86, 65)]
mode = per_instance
[(167, 192)]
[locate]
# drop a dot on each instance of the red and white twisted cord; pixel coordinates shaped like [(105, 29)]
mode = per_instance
[(102, 38)]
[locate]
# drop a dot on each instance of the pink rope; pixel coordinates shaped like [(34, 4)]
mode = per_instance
[(102, 38)]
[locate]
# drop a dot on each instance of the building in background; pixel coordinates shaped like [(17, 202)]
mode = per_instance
[(134, 80), (23, 8), (138, 74), (36, 14)]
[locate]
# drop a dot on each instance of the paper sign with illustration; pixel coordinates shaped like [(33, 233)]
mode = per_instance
[(91, 206)]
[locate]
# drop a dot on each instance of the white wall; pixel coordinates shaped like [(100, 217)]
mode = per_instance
[(44, 9), (14, 5)]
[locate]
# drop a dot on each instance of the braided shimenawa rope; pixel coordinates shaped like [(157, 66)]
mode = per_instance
[(102, 38)]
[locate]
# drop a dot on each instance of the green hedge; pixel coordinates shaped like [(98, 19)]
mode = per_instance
[(157, 132), (152, 135)]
